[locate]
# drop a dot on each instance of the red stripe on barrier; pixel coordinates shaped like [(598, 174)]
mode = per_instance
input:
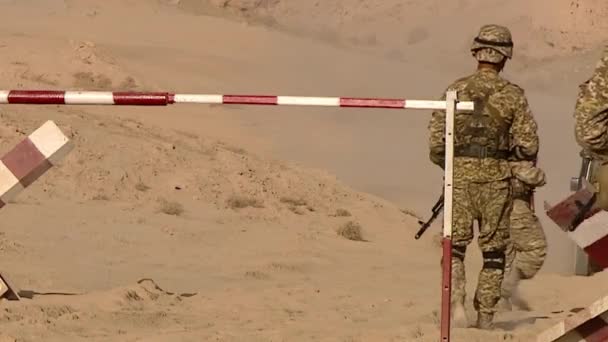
[(170, 98), (594, 330), (250, 99), (375, 103), (36, 97), (598, 251), (142, 99)]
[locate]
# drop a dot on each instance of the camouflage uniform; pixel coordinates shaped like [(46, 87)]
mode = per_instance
[(502, 127), (527, 247), (591, 112), (591, 125)]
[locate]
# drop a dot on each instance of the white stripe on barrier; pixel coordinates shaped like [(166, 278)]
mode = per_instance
[(4, 96), (89, 97), (436, 105), (198, 98), (308, 101)]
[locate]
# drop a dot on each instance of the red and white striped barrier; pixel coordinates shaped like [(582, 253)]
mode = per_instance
[(587, 325), (56, 97), (31, 158), (450, 106)]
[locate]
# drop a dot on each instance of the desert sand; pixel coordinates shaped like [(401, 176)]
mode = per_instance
[(232, 213)]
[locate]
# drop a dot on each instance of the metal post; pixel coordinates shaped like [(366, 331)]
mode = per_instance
[(446, 295)]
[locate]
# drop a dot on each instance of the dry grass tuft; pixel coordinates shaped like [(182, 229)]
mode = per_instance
[(417, 332), (241, 202), (256, 275), (101, 197), (435, 317), (293, 201), (171, 208), (295, 205), (342, 213), (141, 186), (351, 231), (411, 213)]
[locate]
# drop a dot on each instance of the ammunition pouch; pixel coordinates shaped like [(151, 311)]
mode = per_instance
[(479, 151), (524, 196), (521, 191)]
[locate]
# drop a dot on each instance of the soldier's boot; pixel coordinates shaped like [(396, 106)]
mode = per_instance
[(519, 302), (485, 321), (457, 311), (510, 295), (509, 287), (459, 316), (504, 304)]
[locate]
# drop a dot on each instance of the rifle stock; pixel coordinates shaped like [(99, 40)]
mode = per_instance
[(437, 208)]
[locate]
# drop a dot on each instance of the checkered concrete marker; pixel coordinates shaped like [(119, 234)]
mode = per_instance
[(31, 158)]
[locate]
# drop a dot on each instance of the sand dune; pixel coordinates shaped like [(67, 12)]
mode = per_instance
[(242, 206)]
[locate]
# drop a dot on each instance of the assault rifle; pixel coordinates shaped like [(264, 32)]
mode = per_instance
[(437, 208)]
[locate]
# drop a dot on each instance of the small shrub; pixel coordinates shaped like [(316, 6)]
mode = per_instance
[(411, 213), (351, 231), (140, 186), (101, 197), (240, 202), (293, 201), (342, 213), (171, 208), (417, 332), (256, 275)]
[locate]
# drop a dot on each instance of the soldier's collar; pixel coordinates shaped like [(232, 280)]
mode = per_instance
[(487, 71)]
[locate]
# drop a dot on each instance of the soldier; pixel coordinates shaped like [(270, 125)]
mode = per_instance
[(501, 128), (591, 126), (527, 247)]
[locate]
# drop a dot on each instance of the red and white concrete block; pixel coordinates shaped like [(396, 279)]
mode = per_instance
[(31, 158), (592, 236), (59, 97), (587, 325)]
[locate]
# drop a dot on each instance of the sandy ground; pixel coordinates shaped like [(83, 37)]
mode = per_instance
[(233, 212)]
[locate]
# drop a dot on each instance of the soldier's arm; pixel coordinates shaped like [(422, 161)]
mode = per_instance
[(591, 121), (526, 172), (437, 137), (591, 110), (524, 135)]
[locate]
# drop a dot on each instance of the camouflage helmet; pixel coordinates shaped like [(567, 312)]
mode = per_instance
[(492, 44)]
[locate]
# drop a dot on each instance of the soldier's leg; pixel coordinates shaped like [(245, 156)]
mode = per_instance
[(462, 235), (529, 246), (495, 204), (529, 240), (509, 281), (511, 278)]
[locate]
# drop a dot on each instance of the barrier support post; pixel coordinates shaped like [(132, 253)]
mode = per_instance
[(446, 295)]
